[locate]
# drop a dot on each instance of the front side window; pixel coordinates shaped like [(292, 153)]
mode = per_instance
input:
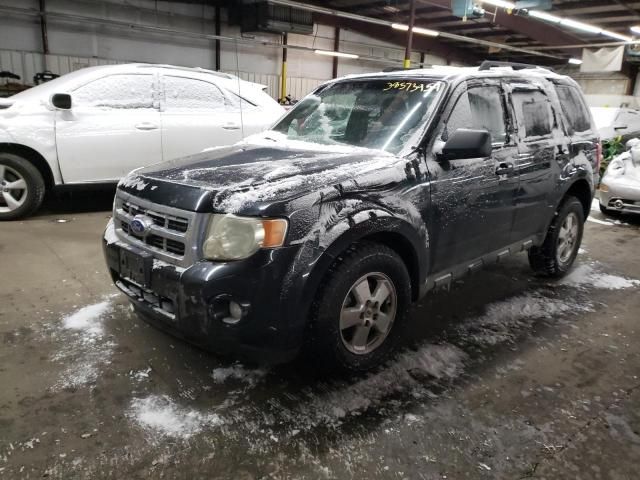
[(535, 111), (182, 93), (479, 108), (116, 91), (380, 114)]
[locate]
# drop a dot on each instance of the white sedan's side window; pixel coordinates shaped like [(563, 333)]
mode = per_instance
[(189, 94), (116, 91)]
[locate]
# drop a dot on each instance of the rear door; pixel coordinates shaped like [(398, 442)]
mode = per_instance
[(112, 128), (196, 115), (541, 144), (584, 138), (471, 206)]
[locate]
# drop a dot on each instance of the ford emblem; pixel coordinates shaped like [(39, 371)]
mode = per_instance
[(141, 224)]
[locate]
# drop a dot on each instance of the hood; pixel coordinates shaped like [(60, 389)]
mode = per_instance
[(246, 176)]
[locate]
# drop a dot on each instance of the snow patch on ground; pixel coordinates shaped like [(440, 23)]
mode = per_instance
[(84, 346), (503, 320), (588, 275), (238, 372), (160, 415), (87, 319)]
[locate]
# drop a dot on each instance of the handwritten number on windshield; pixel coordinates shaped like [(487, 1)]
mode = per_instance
[(406, 86)]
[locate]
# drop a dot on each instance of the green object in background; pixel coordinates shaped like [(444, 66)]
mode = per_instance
[(610, 149)]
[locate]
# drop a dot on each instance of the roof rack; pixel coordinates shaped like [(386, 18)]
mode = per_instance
[(398, 69), (489, 64)]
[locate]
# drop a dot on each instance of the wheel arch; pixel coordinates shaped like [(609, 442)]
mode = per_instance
[(583, 192), (34, 157), (395, 233)]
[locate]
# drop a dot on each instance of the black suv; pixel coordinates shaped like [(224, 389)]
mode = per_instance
[(373, 190)]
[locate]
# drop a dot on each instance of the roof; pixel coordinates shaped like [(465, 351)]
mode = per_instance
[(515, 29)]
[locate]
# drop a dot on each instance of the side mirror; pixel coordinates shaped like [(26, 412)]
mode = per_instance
[(61, 101), (466, 143)]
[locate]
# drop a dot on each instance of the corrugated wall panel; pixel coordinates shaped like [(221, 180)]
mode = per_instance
[(27, 64)]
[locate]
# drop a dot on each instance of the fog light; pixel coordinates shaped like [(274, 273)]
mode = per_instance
[(235, 310), (618, 204)]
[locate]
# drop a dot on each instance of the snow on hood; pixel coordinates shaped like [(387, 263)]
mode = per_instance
[(260, 169)]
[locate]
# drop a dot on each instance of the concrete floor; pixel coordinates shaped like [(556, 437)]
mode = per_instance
[(510, 377)]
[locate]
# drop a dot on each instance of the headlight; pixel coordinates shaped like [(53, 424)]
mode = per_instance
[(233, 238)]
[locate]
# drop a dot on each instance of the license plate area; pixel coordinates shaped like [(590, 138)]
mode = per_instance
[(136, 266)]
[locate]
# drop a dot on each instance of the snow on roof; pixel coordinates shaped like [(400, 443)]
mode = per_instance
[(446, 72)]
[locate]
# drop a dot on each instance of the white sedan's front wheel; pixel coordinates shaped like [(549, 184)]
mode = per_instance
[(21, 187)]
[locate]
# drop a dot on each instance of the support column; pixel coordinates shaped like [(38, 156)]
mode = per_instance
[(43, 28), (218, 30), (283, 73), (412, 19), (336, 48)]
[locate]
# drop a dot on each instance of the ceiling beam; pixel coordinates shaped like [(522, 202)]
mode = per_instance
[(420, 43), (534, 29)]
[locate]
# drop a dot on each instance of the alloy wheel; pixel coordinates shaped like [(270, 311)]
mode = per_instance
[(567, 238), (13, 189), (367, 313)]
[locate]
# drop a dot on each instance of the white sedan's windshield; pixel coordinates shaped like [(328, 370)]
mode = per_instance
[(380, 114)]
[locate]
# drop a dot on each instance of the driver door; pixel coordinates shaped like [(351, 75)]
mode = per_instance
[(472, 200), (112, 127)]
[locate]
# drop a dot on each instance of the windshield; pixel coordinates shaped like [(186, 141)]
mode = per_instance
[(380, 114)]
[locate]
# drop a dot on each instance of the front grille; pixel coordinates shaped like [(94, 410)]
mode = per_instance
[(173, 234), (155, 241), (177, 224)]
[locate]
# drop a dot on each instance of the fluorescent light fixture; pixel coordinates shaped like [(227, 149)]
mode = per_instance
[(419, 30), (617, 36), (575, 61), (585, 27), (336, 54), (500, 3), (547, 17)]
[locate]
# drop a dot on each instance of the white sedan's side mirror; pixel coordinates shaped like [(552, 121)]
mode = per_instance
[(61, 101)]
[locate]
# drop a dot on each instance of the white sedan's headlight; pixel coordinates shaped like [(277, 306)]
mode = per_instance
[(234, 238)]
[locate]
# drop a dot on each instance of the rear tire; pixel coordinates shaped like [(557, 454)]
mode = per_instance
[(22, 187), (560, 248), (360, 310)]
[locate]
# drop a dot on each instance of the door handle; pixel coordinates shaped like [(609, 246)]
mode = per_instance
[(231, 126), (504, 168), (146, 126)]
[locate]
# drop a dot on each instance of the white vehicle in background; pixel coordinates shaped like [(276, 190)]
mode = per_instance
[(97, 124)]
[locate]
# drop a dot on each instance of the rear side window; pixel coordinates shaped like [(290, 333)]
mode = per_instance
[(534, 109), (182, 93), (480, 108), (574, 108)]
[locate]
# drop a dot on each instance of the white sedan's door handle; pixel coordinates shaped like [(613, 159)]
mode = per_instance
[(231, 126), (147, 126)]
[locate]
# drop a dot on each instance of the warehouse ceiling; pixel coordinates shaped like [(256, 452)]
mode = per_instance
[(514, 30)]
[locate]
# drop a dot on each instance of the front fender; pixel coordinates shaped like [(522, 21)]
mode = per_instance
[(339, 224)]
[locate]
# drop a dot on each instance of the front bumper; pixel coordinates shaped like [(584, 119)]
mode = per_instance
[(620, 197), (187, 302)]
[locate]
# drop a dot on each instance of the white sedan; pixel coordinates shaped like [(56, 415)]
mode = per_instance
[(97, 124)]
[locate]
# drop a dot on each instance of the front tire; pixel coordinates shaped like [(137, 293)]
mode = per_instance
[(361, 309), (560, 248), (22, 187)]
